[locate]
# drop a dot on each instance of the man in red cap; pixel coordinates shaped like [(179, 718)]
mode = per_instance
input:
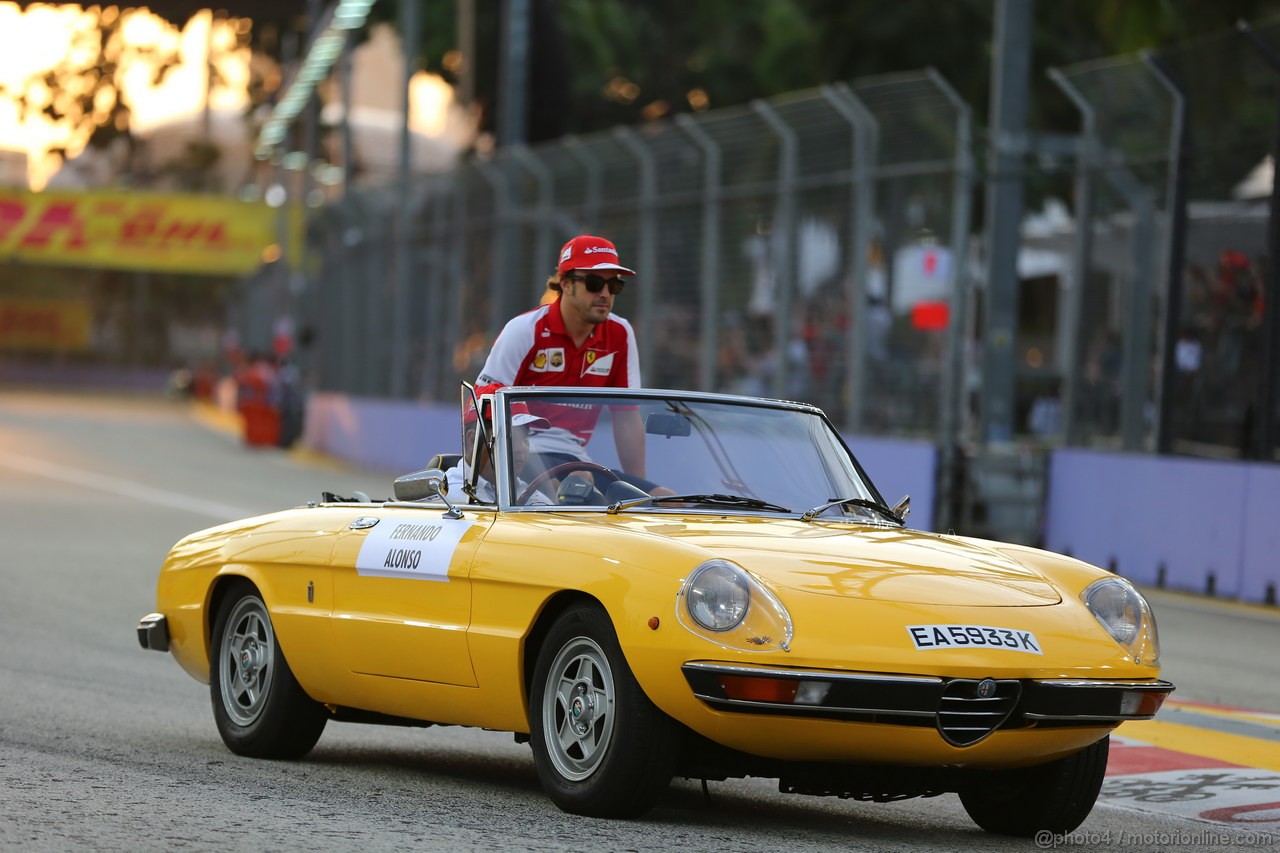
[(576, 341), (522, 423)]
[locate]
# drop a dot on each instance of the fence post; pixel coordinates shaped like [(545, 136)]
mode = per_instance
[(784, 242), (1180, 160), (375, 371), (1264, 444), (648, 260), (866, 142), (595, 180), (1086, 162), (954, 403), (542, 248), (709, 319), (501, 240), (433, 319), (451, 328)]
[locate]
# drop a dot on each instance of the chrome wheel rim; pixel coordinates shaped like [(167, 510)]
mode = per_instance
[(578, 709), (245, 659)]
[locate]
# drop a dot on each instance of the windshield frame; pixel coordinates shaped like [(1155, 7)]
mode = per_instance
[(506, 478)]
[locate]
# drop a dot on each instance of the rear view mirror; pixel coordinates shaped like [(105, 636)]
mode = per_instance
[(420, 485), (668, 424)]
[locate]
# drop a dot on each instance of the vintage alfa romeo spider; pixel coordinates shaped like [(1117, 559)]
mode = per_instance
[(766, 615)]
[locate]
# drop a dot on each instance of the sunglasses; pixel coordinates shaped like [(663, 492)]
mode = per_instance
[(596, 283)]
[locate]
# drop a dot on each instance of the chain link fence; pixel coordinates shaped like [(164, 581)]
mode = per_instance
[(1166, 343), (804, 247)]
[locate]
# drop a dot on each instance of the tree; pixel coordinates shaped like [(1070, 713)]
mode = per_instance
[(626, 61)]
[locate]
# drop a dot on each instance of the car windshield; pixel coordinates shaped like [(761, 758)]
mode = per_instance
[(727, 454)]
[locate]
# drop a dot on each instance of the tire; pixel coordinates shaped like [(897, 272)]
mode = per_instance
[(1054, 797), (601, 748), (259, 708)]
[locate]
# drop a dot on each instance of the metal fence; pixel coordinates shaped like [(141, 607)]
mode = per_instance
[(1167, 342), (784, 248)]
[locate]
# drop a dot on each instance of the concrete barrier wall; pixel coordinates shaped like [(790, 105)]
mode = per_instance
[(1198, 525), (400, 436)]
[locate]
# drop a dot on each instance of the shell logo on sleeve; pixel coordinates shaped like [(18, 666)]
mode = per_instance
[(420, 550)]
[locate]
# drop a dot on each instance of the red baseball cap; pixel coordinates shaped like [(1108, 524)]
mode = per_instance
[(520, 414), (592, 254)]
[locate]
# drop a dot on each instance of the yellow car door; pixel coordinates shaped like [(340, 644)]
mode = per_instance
[(402, 593)]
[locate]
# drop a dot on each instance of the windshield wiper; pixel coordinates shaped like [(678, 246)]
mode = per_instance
[(862, 502), (726, 500)]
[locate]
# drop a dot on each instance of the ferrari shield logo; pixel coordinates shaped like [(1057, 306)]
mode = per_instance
[(598, 366)]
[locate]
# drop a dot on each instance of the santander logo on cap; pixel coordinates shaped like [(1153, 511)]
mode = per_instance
[(590, 254)]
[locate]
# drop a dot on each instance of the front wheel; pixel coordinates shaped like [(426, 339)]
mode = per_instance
[(1054, 797), (259, 707), (602, 749)]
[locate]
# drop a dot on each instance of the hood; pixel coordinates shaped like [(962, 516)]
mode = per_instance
[(870, 563)]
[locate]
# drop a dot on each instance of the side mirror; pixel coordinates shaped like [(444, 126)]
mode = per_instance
[(903, 508), (420, 485), (668, 424)]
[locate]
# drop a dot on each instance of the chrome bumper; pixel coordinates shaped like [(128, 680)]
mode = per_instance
[(964, 710), (153, 632)]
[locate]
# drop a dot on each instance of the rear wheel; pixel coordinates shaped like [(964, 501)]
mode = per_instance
[(259, 708), (1054, 797), (601, 748)]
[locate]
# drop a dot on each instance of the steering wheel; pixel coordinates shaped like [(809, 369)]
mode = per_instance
[(557, 472)]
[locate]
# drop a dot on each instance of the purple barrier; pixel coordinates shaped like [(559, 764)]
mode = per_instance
[(396, 436), (1260, 574), (1191, 524), (901, 467), (399, 436)]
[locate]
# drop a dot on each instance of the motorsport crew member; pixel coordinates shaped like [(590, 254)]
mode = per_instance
[(522, 424), (576, 341)]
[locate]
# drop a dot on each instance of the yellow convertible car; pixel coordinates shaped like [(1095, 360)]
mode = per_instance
[(762, 613)]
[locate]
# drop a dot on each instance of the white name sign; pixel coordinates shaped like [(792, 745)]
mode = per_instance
[(421, 550)]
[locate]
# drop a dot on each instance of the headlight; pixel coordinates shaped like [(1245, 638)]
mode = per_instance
[(725, 604), (717, 597), (1125, 615)]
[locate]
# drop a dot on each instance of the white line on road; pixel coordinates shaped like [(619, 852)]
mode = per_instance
[(124, 488)]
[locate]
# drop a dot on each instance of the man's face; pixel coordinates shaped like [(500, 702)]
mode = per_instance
[(519, 448), (590, 307), (519, 452)]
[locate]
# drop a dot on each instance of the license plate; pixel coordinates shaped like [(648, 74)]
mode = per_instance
[(973, 636)]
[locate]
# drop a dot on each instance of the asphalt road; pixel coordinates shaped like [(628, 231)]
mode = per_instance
[(105, 746)]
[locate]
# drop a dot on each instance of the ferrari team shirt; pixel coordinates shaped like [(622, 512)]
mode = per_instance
[(535, 349)]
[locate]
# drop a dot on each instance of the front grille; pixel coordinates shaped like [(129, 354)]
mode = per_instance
[(970, 708)]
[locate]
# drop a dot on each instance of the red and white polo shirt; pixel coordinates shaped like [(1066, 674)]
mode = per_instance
[(535, 349)]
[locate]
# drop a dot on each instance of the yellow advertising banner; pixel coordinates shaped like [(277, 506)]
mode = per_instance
[(44, 325), (209, 235)]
